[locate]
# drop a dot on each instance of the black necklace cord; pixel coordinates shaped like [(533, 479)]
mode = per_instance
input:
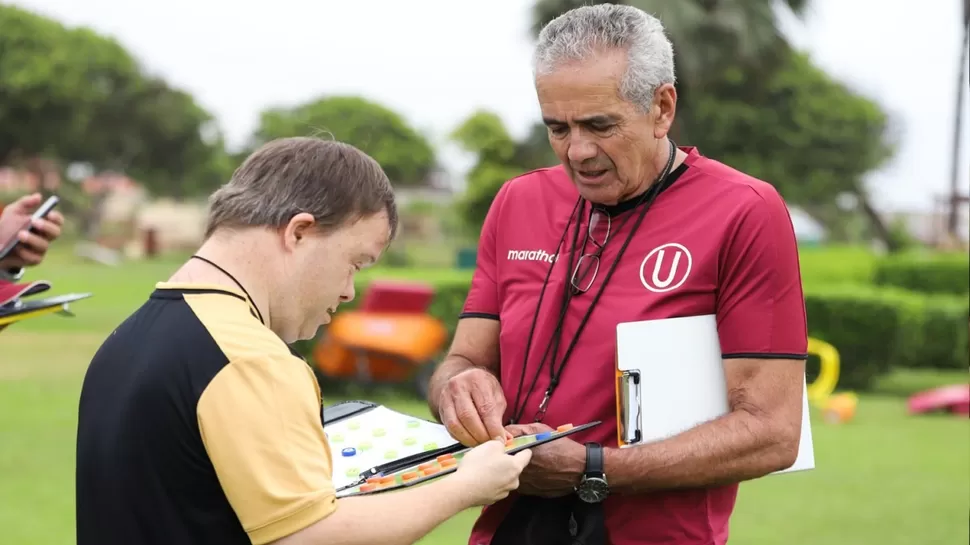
[(542, 292), (233, 278), (645, 200)]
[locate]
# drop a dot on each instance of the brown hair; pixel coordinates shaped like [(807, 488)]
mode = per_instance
[(333, 181)]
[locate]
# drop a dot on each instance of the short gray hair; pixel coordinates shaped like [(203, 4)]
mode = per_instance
[(333, 181), (582, 32)]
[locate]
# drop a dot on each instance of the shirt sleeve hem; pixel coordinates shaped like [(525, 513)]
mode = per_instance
[(764, 356), (487, 315), (295, 521)]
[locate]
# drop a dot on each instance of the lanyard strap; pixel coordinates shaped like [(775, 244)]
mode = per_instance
[(233, 278), (647, 200)]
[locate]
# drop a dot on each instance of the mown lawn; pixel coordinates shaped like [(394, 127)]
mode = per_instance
[(886, 478)]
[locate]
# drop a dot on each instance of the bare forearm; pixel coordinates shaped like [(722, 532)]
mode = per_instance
[(403, 517), (733, 448)]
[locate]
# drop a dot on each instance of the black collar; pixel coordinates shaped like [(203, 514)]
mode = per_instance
[(631, 203)]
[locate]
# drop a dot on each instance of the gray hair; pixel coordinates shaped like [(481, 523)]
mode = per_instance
[(582, 32), (334, 182)]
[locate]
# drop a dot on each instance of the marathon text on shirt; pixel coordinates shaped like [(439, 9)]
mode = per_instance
[(532, 255)]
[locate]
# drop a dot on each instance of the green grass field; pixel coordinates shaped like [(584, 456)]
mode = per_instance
[(886, 478)]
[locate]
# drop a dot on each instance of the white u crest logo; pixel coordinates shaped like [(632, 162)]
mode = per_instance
[(676, 275)]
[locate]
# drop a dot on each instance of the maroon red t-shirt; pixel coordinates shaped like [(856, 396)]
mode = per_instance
[(716, 241)]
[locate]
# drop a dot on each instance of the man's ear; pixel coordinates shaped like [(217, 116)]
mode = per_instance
[(665, 109), (297, 229)]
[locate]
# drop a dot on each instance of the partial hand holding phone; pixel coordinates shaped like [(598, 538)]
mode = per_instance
[(27, 228)]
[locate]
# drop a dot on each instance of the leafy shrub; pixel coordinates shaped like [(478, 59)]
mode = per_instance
[(935, 273), (876, 329), (826, 265), (862, 324), (945, 329)]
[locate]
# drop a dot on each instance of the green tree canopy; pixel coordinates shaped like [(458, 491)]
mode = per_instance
[(499, 158), (800, 130), (77, 96), (406, 156)]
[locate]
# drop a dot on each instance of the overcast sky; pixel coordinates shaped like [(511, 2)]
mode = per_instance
[(436, 61)]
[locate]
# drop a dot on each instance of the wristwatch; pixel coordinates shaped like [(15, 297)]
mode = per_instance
[(593, 487)]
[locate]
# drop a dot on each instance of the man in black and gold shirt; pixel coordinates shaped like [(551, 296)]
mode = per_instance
[(199, 425)]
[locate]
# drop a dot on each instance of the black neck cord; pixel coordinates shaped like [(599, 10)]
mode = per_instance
[(645, 200), (233, 278)]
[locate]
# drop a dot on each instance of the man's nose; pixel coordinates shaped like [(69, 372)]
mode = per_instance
[(349, 292), (581, 149)]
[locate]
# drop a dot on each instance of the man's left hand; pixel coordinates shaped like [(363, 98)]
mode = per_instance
[(15, 222), (555, 468)]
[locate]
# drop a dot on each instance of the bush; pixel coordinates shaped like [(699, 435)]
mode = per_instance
[(933, 273), (945, 333), (876, 329), (826, 265), (863, 325)]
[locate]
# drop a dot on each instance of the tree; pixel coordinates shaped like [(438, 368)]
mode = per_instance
[(802, 131), (77, 96), (406, 156), (499, 158), (162, 137)]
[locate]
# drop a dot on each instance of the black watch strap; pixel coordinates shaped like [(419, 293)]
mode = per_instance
[(594, 460)]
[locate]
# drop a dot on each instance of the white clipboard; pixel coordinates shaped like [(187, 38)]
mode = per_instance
[(670, 378)]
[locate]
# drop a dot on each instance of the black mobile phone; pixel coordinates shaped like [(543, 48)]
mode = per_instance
[(41, 212)]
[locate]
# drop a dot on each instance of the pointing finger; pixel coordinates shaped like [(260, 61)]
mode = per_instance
[(454, 426), (467, 414), (488, 409)]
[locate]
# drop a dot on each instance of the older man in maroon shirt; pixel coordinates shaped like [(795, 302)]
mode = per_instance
[(629, 227)]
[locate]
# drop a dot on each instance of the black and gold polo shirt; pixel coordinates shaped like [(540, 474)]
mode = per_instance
[(198, 425)]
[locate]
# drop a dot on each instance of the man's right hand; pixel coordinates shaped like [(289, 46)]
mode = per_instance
[(489, 474), (471, 405)]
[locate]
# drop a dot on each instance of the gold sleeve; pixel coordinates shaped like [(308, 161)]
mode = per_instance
[(260, 423)]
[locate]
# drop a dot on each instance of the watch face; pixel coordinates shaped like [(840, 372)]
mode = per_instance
[(593, 490)]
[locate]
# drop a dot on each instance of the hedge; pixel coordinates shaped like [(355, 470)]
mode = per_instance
[(933, 273), (945, 342), (873, 328), (827, 265)]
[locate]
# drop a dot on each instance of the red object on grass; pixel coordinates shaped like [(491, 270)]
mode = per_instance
[(398, 297), (954, 399), (10, 291)]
